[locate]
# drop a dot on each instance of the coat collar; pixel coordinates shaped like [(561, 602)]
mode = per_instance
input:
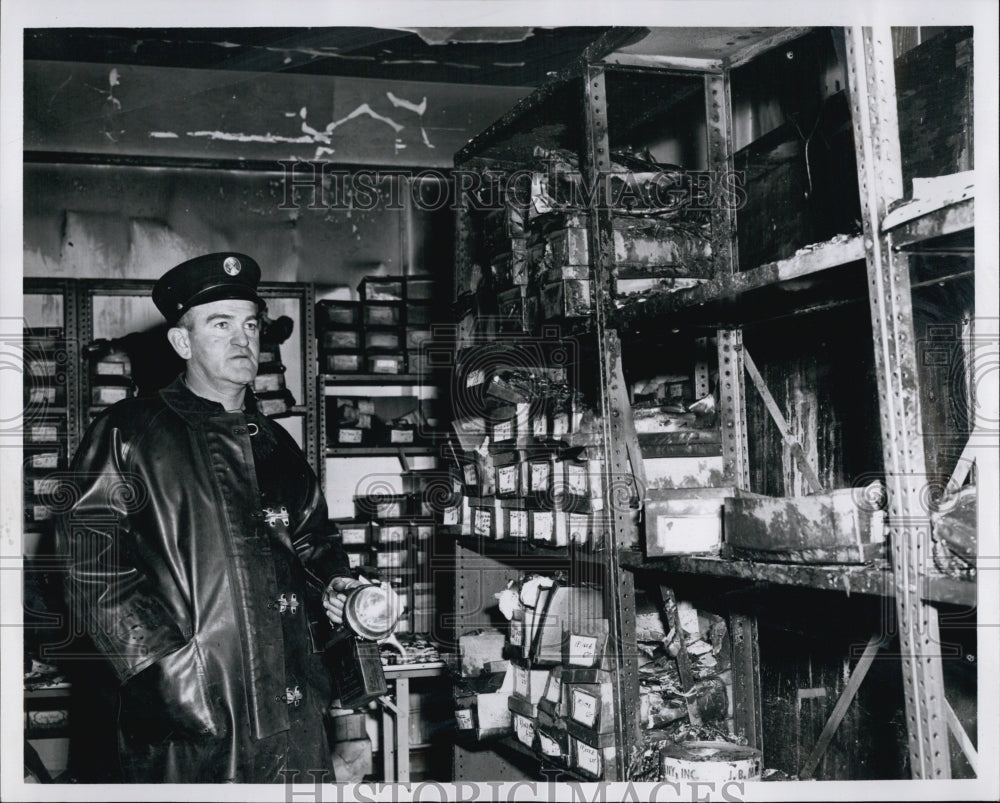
[(190, 406)]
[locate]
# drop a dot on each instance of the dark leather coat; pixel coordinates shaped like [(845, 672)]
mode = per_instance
[(198, 553)]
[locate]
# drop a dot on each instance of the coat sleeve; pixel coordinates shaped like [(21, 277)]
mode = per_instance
[(108, 593), (320, 550)]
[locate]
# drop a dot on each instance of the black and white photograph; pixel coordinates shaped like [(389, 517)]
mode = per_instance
[(488, 400)]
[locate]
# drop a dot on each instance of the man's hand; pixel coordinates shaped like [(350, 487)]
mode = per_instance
[(336, 595)]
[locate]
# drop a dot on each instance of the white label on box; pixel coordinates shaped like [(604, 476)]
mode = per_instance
[(688, 533), (42, 396), (42, 367), (46, 486), (560, 425), (541, 525), (582, 649), (392, 534), (451, 516), (540, 425), (579, 527), (471, 474), (264, 383), (522, 681), (401, 436), (503, 431), (576, 479), (424, 532), (583, 708), (111, 395), (355, 559), (517, 632), (109, 368), (354, 535), (384, 365), (41, 512), (389, 510), (507, 479), (518, 524), (44, 432), (553, 690), (588, 758), (45, 460), (475, 378), (349, 436), (540, 473), (463, 719), (524, 729), (483, 521), (390, 560), (345, 362), (550, 747)]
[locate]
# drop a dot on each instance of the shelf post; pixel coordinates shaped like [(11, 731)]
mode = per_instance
[(872, 86), (619, 588)]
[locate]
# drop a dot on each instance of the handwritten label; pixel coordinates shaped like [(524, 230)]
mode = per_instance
[(539, 426), (401, 436), (354, 535), (588, 758), (42, 367), (41, 512), (43, 433), (46, 486), (355, 559), (43, 396), (385, 366), (560, 425), (503, 431), (507, 479), (45, 460), (349, 436), (541, 525), (576, 480), (391, 560), (471, 475), (540, 473), (483, 521), (344, 362), (582, 649), (463, 719), (518, 524), (451, 516), (522, 682), (583, 707), (549, 746), (524, 728), (553, 690), (517, 632), (476, 377)]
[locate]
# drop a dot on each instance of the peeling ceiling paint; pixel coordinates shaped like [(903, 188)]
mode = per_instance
[(459, 36)]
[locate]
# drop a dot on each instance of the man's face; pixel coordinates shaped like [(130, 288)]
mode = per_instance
[(224, 341)]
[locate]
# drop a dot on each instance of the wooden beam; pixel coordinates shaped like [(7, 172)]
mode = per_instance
[(786, 433), (958, 731), (840, 709)]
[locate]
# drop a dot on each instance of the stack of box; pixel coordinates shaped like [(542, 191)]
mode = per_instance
[(44, 419), (524, 474), (110, 379), (338, 329), (382, 324), (273, 398), (562, 704)]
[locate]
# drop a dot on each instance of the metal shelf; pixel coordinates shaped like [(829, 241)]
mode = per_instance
[(876, 579), (375, 379), (511, 551)]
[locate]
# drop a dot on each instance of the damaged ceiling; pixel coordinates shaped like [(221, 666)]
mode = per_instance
[(490, 56)]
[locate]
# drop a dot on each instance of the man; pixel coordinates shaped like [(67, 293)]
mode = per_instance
[(199, 560)]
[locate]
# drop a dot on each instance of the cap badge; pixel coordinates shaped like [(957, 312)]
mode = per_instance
[(232, 266)]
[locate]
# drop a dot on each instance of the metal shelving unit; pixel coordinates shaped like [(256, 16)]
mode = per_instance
[(849, 269)]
